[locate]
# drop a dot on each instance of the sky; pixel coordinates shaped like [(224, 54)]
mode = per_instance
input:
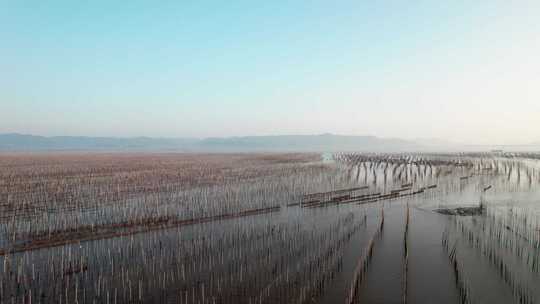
[(462, 71)]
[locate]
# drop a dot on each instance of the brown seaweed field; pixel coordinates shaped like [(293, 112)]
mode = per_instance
[(269, 228)]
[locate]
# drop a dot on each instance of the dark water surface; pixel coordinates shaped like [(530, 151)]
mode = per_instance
[(383, 283), (430, 278)]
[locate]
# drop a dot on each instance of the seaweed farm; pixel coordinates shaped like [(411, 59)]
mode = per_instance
[(269, 228)]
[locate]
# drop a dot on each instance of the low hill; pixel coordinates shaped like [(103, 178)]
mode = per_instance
[(324, 142)]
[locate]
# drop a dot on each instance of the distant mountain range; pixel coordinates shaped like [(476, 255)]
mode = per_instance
[(283, 143), (323, 142)]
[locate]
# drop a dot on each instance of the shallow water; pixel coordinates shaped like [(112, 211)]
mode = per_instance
[(430, 275), (308, 255), (383, 283)]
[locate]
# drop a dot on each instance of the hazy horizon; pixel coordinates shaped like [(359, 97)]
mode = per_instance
[(464, 72), (426, 143)]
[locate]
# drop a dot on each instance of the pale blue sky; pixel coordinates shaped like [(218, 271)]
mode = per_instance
[(465, 71)]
